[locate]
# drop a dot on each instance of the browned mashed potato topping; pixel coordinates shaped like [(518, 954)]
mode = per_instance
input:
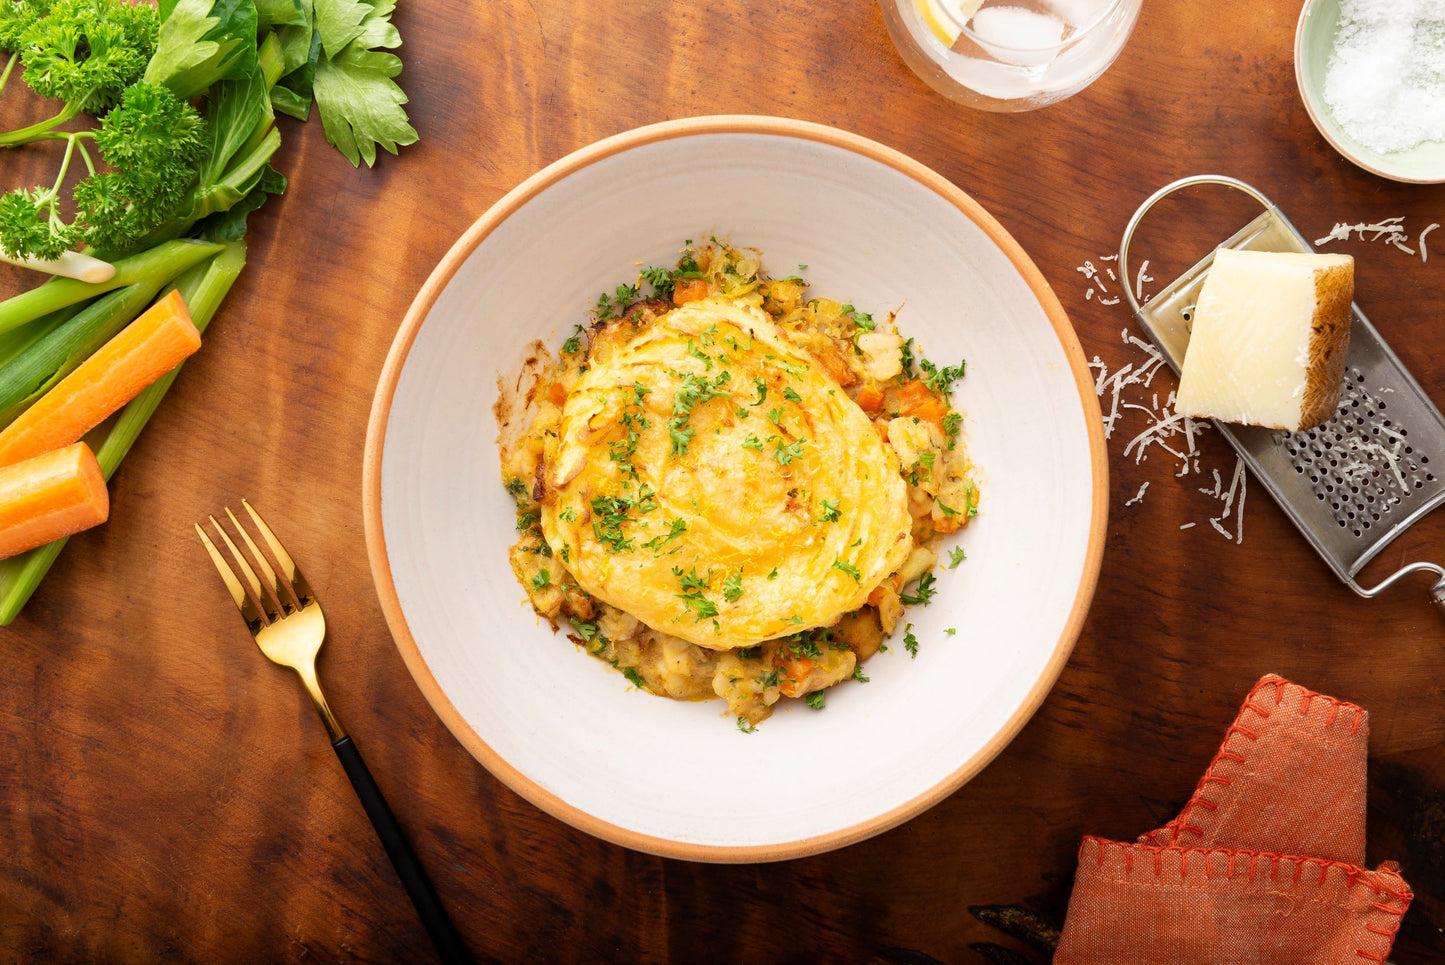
[(726, 485)]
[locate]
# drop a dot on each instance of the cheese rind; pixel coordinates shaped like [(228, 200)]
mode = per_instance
[(1270, 335)]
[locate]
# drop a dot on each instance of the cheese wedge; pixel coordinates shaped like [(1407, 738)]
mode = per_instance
[(1269, 339)]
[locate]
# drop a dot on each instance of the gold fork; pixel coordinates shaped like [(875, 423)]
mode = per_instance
[(285, 619)]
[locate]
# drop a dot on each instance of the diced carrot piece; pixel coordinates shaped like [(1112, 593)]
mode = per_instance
[(53, 495), (948, 524), (686, 290), (870, 399), (149, 347), (917, 399), (557, 392), (792, 673), (837, 368)]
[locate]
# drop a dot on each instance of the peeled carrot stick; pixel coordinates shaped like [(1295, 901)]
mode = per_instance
[(53, 495), (149, 347)]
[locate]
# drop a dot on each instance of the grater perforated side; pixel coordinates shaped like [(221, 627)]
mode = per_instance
[(1354, 483)]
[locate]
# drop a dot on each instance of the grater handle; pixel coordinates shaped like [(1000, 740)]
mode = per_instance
[(1164, 192), (1437, 592)]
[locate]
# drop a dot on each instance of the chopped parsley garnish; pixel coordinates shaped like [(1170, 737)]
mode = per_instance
[(542, 580), (941, 379), (622, 450), (610, 512), (586, 631), (743, 413), (634, 678), (910, 642), (676, 528), (775, 416), (733, 587), (850, 569), (907, 370), (815, 700), (971, 509), (753, 442), (948, 510), (698, 353), (862, 319), (692, 594), (923, 593), (568, 515), (774, 574), (858, 673), (680, 439), (951, 631), (744, 726), (762, 388), (694, 391), (955, 557), (831, 513), (749, 653), (951, 424), (573, 345), (805, 645), (615, 302), (786, 454), (661, 281), (516, 487), (790, 395), (526, 521)]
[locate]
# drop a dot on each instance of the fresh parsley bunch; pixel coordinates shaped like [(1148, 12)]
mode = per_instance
[(166, 168)]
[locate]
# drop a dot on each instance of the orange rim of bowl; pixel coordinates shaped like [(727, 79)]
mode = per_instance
[(1305, 96), (396, 360)]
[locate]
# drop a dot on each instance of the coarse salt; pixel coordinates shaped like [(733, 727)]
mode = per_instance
[(1385, 81)]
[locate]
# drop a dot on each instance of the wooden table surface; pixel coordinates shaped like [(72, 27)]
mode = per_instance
[(167, 795)]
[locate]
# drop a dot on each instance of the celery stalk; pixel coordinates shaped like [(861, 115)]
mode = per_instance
[(17, 342), (204, 287), (32, 373), (167, 260)]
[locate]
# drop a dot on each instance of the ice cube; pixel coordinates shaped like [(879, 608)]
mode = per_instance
[(1015, 35), (1077, 13)]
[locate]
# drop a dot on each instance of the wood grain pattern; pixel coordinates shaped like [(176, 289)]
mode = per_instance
[(167, 795)]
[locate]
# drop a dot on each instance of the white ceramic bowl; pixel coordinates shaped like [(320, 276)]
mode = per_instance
[(679, 779)]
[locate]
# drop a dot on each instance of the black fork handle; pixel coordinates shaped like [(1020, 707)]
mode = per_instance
[(413, 877)]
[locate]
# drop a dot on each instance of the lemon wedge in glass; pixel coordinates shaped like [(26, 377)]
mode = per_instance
[(945, 18)]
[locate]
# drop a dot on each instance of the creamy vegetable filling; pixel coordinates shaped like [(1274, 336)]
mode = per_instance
[(726, 486)]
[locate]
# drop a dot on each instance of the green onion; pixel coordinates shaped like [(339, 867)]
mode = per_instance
[(165, 261)]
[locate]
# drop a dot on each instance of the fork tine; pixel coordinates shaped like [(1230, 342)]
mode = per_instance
[(273, 585), (249, 612), (257, 594), (298, 582)]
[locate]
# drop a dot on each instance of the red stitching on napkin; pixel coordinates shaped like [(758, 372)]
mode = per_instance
[(1354, 875)]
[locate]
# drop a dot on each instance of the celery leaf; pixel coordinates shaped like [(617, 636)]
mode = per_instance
[(360, 105), (201, 42)]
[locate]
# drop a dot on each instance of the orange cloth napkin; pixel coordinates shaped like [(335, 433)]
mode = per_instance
[(1263, 865)]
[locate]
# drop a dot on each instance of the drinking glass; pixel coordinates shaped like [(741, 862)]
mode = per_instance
[(1009, 55)]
